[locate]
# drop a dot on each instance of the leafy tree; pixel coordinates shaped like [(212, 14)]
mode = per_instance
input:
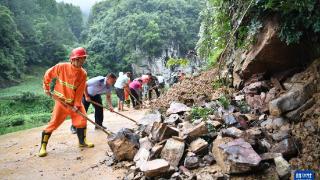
[(123, 32), (11, 53)]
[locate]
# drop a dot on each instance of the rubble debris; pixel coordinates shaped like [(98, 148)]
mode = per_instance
[(281, 135), (173, 151), (234, 156), (143, 153), (176, 108), (161, 131), (287, 147), (232, 132), (172, 119), (269, 156), (229, 119), (282, 166), (197, 131), (293, 99), (198, 145), (155, 167), (208, 159), (155, 151), (124, 144), (191, 162), (296, 115)]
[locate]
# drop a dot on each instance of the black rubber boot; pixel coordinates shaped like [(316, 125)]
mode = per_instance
[(81, 132)]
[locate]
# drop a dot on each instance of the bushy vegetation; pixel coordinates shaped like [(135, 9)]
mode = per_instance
[(35, 32), (124, 32), (222, 20)]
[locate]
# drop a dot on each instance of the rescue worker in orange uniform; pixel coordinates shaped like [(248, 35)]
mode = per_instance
[(69, 87)]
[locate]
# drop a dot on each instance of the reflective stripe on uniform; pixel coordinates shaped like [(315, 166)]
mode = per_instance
[(67, 84), (60, 95)]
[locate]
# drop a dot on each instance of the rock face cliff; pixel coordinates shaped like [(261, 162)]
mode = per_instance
[(157, 65)]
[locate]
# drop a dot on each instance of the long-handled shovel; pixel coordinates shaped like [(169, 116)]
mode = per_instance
[(100, 105), (81, 114)]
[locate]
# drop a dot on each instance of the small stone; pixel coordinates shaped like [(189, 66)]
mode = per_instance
[(262, 117), (208, 159), (296, 114), (173, 151), (229, 119), (282, 166), (199, 130), (215, 124), (198, 145), (267, 124), (172, 119), (161, 131), (269, 156), (279, 136), (155, 151), (155, 167), (286, 147), (232, 132), (185, 171), (239, 97), (191, 162), (176, 108)]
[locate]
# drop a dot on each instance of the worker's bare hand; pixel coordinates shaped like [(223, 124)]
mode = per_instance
[(111, 109), (88, 99), (48, 93), (75, 108)]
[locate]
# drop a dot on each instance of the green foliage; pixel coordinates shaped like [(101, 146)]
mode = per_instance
[(297, 18), (200, 112), (35, 32), (177, 62), (224, 101), (11, 52), (214, 30), (13, 123), (127, 31), (217, 84)]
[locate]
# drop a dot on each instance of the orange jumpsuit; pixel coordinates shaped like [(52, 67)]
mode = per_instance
[(126, 92), (70, 86)]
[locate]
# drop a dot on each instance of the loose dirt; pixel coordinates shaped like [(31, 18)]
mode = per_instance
[(65, 160)]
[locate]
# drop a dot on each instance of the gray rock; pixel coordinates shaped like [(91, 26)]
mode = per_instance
[(173, 151), (264, 145), (176, 108), (143, 153), (161, 131), (155, 151), (124, 144), (296, 115), (229, 119), (269, 156), (234, 156), (198, 145), (172, 119), (232, 132), (150, 118), (282, 166), (208, 159), (286, 147), (199, 130), (281, 135), (155, 167), (191, 162), (293, 99)]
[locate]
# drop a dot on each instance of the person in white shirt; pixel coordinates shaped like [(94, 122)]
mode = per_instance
[(122, 83)]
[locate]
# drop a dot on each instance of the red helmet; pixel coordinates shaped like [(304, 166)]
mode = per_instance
[(78, 52)]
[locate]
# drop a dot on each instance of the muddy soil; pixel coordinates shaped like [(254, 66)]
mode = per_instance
[(65, 160)]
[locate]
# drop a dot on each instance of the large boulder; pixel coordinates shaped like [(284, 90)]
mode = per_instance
[(269, 54), (173, 151), (234, 156), (124, 144)]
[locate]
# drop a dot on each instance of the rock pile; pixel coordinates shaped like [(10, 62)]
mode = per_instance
[(252, 133)]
